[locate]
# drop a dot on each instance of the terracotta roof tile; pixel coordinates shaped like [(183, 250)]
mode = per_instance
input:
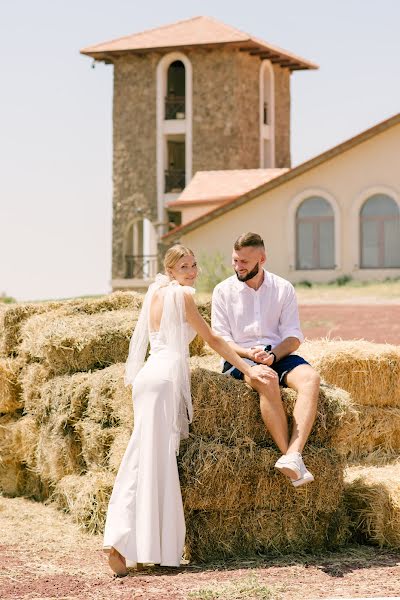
[(213, 186), (197, 31)]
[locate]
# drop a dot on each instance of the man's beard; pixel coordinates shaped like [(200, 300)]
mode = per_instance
[(249, 275)]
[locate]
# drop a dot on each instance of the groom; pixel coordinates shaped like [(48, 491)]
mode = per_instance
[(256, 312)]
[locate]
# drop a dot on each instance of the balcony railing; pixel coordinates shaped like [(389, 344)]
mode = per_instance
[(265, 113), (174, 180), (175, 107), (141, 266)]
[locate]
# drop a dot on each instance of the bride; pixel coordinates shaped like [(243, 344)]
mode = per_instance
[(145, 521)]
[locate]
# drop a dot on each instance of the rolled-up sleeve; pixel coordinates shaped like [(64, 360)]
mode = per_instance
[(219, 316), (289, 322)]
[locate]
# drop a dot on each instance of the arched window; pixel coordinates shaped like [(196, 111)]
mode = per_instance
[(315, 234), (175, 92), (267, 116), (380, 233), (141, 250)]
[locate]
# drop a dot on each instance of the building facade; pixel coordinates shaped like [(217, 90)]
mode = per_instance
[(335, 215), (192, 96)]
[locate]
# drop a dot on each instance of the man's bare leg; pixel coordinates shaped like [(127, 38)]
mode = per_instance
[(272, 411), (305, 380)]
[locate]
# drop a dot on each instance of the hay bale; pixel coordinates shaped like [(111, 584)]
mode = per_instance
[(86, 498), (369, 372), (220, 535), (13, 316), (204, 308), (11, 320), (109, 400), (376, 435), (372, 496), (100, 396), (11, 471), (228, 410), (32, 378), (10, 388), (217, 477), (118, 447), (58, 450), (64, 396), (25, 433), (95, 441), (67, 344)]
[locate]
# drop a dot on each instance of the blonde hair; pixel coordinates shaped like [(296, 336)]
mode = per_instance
[(174, 254)]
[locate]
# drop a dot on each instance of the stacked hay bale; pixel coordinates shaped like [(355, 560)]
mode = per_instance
[(39, 342), (371, 373), (236, 503), (67, 418)]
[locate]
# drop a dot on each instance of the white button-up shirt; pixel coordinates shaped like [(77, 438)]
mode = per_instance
[(251, 318)]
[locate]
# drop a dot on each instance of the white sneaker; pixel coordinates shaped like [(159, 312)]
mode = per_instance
[(292, 466)]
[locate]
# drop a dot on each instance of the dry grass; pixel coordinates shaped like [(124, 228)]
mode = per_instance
[(85, 498), (228, 410), (369, 372), (246, 588), (372, 495), (67, 344), (217, 477), (10, 388)]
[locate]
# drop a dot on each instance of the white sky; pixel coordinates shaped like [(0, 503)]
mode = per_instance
[(56, 128)]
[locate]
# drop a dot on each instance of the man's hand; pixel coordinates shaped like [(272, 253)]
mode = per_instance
[(262, 373), (260, 356)]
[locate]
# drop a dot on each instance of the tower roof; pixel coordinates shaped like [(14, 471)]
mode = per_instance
[(191, 33)]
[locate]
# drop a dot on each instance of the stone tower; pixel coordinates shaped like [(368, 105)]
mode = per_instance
[(196, 95)]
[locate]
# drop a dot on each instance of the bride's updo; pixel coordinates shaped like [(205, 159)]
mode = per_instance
[(174, 254)]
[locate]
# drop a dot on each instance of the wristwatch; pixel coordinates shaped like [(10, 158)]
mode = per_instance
[(268, 349)]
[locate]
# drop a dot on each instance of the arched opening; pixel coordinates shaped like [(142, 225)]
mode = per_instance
[(267, 116), (175, 92), (315, 234), (380, 233), (141, 259)]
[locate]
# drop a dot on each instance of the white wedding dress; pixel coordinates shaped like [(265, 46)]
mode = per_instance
[(145, 520)]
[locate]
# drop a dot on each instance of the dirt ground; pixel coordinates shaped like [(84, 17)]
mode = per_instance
[(373, 322), (44, 555)]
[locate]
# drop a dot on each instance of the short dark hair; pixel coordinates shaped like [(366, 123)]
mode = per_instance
[(249, 239)]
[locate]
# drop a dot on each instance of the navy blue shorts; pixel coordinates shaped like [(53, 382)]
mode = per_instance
[(281, 367)]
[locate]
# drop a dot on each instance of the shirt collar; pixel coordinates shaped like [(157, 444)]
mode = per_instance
[(242, 285)]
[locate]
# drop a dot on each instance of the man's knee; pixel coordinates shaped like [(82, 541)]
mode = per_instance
[(270, 387), (303, 377)]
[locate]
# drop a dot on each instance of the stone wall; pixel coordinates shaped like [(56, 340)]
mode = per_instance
[(225, 110), (134, 153)]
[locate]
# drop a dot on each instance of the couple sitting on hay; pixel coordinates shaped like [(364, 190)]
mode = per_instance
[(256, 329)]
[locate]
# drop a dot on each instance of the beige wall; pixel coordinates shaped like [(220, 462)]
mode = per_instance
[(346, 179), (189, 213)]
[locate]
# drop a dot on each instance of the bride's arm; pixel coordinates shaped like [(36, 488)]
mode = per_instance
[(196, 321)]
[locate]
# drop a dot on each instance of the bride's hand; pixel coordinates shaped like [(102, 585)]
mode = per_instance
[(262, 373)]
